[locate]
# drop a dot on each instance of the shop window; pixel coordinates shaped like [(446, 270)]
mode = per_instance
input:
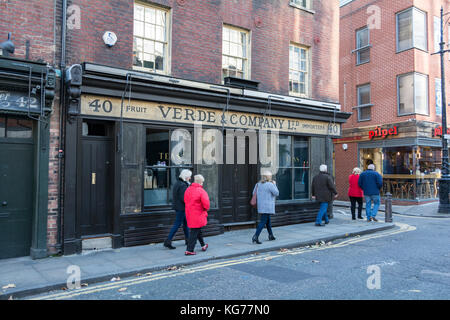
[(429, 160), (398, 160), (150, 41), (17, 128), (293, 174), (235, 53), (95, 129)]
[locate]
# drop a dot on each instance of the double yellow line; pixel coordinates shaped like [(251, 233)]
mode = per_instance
[(402, 227)]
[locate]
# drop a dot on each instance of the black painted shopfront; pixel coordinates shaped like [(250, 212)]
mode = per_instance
[(26, 96), (129, 134)]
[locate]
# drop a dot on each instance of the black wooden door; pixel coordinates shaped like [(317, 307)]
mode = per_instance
[(237, 185), (96, 186), (16, 198)]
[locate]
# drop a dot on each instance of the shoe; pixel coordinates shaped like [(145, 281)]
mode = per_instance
[(189, 253), (205, 247), (359, 217), (271, 237), (369, 220), (374, 219), (353, 218), (319, 225), (255, 240), (327, 222), (168, 244)]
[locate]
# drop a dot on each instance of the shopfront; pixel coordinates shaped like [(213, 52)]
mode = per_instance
[(128, 147), (26, 96)]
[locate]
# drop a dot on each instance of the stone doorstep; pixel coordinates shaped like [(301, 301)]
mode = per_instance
[(101, 243)]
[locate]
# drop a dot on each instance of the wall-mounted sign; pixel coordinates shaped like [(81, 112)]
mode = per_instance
[(146, 110), (18, 101), (437, 132), (383, 133)]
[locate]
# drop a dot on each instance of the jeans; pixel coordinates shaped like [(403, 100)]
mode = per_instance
[(372, 212), (264, 221), (196, 234), (322, 213), (353, 201), (180, 219)]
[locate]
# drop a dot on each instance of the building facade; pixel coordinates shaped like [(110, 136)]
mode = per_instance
[(391, 81), (149, 86)]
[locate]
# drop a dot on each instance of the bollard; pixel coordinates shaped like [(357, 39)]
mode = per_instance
[(388, 208)]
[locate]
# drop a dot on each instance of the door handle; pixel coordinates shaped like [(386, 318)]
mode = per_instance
[(93, 178), (4, 203)]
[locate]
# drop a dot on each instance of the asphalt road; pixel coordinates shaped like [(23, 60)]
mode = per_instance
[(410, 261)]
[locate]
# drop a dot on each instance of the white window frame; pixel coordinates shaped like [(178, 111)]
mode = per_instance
[(414, 75), (226, 51), (166, 43), (414, 44), (297, 4), (307, 71)]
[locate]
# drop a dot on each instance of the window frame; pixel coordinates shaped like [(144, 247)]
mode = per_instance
[(307, 8), (366, 47), (414, 45), (366, 105), (167, 44), (414, 74), (308, 72), (246, 60)]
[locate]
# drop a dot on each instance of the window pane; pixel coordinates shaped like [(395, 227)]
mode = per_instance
[(138, 28), (363, 95), (2, 127), (398, 160), (301, 154), (181, 148), (284, 183), (364, 113), (420, 31), (404, 30), (150, 15), (157, 147), (211, 184), (285, 151), (301, 183), (406, 94), (138, 12), (18, 128), (362, 38), (364, 56), (421, 92), (155, 186)]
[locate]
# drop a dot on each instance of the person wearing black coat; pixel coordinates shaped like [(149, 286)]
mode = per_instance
[(323, 190), (178, 205)]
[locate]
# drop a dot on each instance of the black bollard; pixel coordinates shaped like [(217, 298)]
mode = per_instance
[(388, 208)]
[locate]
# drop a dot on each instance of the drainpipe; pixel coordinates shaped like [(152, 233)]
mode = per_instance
[(60, 222)]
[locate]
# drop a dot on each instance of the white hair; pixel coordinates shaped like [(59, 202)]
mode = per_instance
[(356, 170), (323, 168), (371, 167), (185, 173), (199, 179)]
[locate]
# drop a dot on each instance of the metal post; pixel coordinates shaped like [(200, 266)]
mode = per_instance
[(388, 208), (444, 182)]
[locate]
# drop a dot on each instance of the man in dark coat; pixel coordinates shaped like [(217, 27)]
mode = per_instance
[(323, 189), (178, 205), (371, 182)]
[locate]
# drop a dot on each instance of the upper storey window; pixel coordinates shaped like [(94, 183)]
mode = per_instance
[(302, 4), (362, 46), (150, 45), (412, 30), (235, 53), (298, 70)]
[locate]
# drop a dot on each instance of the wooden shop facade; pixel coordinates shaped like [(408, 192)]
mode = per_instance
[(129, 134)]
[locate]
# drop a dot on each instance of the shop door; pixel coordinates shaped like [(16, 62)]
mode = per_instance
[(96, 181), (237, 186), (16, 199)]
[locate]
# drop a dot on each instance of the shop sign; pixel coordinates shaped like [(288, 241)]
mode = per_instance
[(437, 132), (18, 101), (146, 110), (383, 133)]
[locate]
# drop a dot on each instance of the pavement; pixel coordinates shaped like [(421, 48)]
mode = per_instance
[(20, 277), (422, 210)]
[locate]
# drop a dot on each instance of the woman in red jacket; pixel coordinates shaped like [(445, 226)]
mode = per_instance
[(355, 193), (197, 204)]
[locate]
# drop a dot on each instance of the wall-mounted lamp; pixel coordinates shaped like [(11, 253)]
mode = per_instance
[(7, 47), (345, 147)]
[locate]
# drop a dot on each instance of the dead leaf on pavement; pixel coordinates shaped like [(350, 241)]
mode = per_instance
[(172, 268), (148, 274), (122, 289), (115, 279)]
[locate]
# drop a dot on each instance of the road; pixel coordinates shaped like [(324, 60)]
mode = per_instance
[(408, 262)]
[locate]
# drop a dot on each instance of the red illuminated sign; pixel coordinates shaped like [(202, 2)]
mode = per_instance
[(437, 132), (383, 133)]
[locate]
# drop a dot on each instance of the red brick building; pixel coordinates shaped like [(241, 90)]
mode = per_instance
[(390, 80)]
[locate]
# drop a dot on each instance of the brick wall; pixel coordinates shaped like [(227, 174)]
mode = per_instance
[(196, 38)]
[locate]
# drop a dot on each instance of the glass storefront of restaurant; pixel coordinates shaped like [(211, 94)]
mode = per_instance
[(409, 172)]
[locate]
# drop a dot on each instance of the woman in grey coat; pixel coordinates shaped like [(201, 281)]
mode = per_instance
[(266, 193)]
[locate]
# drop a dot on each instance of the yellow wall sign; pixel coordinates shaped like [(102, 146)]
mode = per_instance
[(153, 111)]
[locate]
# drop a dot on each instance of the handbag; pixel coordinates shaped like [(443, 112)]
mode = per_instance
[(254, 200)]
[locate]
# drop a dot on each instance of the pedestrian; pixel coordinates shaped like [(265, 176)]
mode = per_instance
[(323, 189), (266, 192), (355, 193), (197, 205), (371, 182), (178, 205)]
